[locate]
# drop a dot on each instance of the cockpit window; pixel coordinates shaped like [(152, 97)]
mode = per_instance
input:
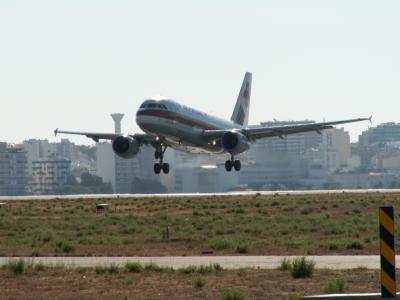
[(153, 105)]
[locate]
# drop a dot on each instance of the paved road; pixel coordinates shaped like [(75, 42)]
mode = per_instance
[(227, 262), (246, 193)]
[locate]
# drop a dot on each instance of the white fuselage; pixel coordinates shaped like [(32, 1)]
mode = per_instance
[(181, 125)]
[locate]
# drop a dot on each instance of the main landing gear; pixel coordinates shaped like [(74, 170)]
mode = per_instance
[(232, 163), (159, 154)]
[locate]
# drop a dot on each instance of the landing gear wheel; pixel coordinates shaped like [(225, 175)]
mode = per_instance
[(165, 168), (237, 165), (157, 168), (228, 165)]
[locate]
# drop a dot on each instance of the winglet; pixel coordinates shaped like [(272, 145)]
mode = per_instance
[(370, 119), (55, 132)]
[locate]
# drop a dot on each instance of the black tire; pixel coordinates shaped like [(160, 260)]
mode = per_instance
[(228, 165), (165, 168), (157, 168), (237, 165)]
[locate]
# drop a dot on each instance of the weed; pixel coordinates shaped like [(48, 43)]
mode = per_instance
[(199, 282), (306, 210), (335, 286), (113, 268), (17, 267), (233, 295), (39, 266), (134, 267), (242, 248), (285, 265), (221, 244), (152, 267), (293, 297), (302, 267), (355, 246), (100, 269)]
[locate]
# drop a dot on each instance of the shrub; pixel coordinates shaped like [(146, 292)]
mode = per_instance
[(17, 267), (39, 266), (221, 244), (285, 265), (133, 267), (301, 268), (100, 269), (306, 210), (233, 295), (335, 286), (66, 246), (217, 267), (113, 268), (189, 269), (152, 267), (293, 297), (199, 282), (355, 246), (242, 248)]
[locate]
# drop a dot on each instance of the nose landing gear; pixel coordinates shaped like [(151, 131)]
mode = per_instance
[(233, 163), (159, 154)]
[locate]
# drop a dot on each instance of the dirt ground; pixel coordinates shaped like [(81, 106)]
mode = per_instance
[(250, 283)]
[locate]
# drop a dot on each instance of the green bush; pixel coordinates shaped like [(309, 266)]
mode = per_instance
[(242, 248), (133, 267), (199, 282), (152, 267), (17, 267), (335, 286), (113, 268), (302, 267), (355, 246), (233, 295), (285, 265), (221, 244)]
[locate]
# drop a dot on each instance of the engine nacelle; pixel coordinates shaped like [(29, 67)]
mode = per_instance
[(125, 146), (234, 142)]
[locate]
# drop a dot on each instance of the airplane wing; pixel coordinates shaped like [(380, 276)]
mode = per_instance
[(96, 136), (254, 133)]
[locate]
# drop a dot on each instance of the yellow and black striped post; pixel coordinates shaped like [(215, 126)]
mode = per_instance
[(388, 258)]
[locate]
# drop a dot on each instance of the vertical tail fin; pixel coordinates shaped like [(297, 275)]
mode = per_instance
[(240, 114)]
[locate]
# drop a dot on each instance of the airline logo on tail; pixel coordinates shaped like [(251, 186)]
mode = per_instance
[(240, 114)]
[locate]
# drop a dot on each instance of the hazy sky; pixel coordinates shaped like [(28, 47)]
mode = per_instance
[(69, 64)]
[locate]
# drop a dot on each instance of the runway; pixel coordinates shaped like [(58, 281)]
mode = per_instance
[(227, 262), (241, 193)]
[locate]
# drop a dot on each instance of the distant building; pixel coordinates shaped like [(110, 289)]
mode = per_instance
[(36, 150), (49, 174), (386, 132), (204, 179), (13, 170), (105, 162)]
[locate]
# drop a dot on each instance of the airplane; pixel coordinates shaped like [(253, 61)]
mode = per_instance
[(167, 123)]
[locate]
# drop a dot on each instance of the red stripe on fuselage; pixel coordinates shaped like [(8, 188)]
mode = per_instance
[(172, 116)]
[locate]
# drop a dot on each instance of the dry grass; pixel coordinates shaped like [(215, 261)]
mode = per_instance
[(254, 225)]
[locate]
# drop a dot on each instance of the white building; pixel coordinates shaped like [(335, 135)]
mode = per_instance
[(49, 174), (105, 162)]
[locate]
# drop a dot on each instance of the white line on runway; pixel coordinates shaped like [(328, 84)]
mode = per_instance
[(245, 193), (226, 262)]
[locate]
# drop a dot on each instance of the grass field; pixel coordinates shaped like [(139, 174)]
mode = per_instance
[(257, 225), (141, 282)]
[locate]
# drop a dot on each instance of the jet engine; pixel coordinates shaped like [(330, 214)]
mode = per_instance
[(125, 146), (234, 142)]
